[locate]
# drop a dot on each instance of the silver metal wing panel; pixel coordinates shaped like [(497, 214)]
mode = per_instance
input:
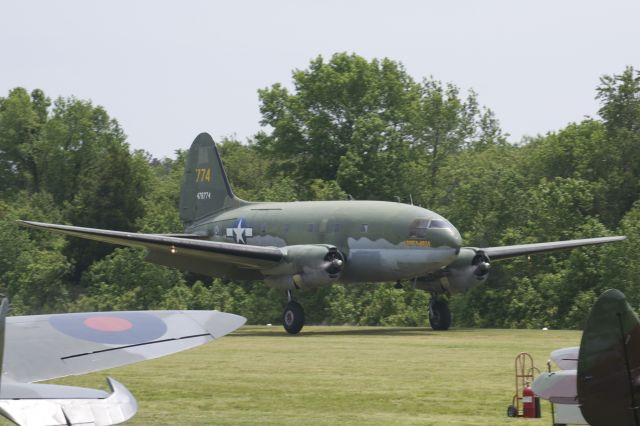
[(116, 408), (44, 347)]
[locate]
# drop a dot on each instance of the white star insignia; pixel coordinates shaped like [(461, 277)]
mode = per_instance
[(239, 234)]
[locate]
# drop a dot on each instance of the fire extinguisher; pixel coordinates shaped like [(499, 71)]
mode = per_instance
[(528, 402)]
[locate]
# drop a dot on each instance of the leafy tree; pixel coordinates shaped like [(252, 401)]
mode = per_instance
[(22, 118), (109, 197), (248, 172), (161, 201), (369, 126), (125, 281), (33, 272), (620, 110), (315, 127)]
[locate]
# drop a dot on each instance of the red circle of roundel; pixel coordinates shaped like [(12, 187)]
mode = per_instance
[(120, 328), (104, 323)]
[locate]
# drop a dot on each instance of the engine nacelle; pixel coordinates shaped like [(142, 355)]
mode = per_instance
[(306, 266), (470, 268)]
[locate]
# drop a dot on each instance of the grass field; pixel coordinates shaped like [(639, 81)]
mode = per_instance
[(338, 375)]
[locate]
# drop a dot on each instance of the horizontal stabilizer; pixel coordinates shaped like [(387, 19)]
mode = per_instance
[(566, 358), (558, 387), (83, 409)]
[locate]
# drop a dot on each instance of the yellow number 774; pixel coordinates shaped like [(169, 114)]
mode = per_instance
[(203, 174)]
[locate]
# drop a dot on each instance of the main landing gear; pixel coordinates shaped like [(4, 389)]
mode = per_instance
[(439, 314), (293, 315)]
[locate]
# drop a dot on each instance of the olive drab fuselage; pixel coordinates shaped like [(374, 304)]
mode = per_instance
[(380, 241)]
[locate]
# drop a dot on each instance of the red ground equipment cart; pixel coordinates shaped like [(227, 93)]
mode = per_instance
[(524, 402)]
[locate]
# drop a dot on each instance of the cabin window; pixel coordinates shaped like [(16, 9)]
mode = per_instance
[(311, 227), (418, 228), (285, 228), (364, 228), (440, 224), (263, 228)]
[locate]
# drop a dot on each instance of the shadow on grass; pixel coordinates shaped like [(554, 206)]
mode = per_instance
[(336, 331)]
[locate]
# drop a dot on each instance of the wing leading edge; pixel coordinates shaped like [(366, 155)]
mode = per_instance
[(41, 347), (242, 255), (505, 252)]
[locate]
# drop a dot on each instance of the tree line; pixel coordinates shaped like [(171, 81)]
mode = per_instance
[(349, 127)]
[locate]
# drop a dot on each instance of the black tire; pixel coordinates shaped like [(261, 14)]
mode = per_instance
[(512, 411), (293, 317), (439, 316)]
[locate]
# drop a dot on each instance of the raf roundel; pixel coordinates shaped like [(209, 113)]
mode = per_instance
[(117, 328)]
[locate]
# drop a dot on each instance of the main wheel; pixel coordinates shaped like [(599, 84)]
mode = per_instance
[(293, 317), (439, 315)]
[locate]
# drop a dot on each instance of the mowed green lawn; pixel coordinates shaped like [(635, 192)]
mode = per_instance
[(338, 375)]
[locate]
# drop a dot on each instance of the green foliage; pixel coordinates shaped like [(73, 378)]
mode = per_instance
[(368, 126), (349, 126), (33, 271), (125, 281)]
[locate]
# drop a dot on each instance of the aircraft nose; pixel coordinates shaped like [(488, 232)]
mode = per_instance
[(456, 239), (443, 233)]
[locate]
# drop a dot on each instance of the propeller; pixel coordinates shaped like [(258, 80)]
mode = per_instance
[(334, 261), (482, 264)]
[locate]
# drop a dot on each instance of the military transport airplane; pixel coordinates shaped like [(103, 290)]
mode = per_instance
[(298, 245), (42, 347)]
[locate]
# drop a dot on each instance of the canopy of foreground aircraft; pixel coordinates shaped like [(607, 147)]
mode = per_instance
[(42, 347), (298, 245)]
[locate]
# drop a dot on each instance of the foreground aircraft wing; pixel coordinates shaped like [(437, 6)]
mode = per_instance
[(54, 405), (242, 255), (505, 252), (42, 347), (39, 347)]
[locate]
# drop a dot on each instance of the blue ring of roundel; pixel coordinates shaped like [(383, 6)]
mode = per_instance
[(144, 327)]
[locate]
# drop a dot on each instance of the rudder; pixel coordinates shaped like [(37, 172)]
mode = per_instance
[(205, 187)]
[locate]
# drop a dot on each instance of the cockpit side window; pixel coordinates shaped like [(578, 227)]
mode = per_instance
[(418, 228), (439, 224)]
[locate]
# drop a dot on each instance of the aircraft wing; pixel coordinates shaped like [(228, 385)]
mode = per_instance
[(165, 246), (504, 252), (55, 405), (42, 347)]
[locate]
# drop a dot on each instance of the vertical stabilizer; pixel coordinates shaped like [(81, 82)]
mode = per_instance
[(205, 187)]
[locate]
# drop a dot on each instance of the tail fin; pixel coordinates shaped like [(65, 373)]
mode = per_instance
[(205, 187)]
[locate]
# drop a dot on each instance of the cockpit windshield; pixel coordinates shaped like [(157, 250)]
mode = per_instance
[(440, 224), (418, 228)]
